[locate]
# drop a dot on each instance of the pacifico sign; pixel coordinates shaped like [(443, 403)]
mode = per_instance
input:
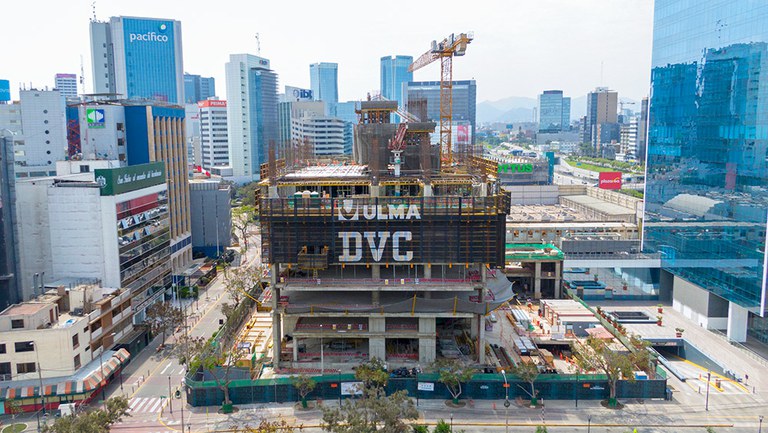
[(147, 37)]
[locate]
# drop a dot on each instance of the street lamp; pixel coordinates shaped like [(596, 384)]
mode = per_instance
[(506, 401), (589, 423), (706, 400), (40, 377), (760, 426), (451, 422)]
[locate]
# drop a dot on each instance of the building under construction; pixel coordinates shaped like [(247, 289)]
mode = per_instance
[(388, 255)]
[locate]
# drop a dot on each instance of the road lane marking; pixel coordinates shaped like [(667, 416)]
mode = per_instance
[(166, 367)]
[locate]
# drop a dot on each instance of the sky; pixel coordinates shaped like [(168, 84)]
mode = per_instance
[(521, 47)]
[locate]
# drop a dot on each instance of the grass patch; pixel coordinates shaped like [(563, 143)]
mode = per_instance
[(15, 428), (590, 167)]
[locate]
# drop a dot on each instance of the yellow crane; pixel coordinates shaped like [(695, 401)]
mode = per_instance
[(453, 45)]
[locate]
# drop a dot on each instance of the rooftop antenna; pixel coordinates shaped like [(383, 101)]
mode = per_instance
[(93, 8), (258, 45)]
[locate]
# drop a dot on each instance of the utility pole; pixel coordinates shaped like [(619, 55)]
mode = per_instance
[(706, 400), (170, 397)]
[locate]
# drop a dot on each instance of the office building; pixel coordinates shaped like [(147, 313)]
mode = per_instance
[(642, 131), (394, 76), (464, 106), (9, 266), (251, 113), (138, 58), (211, 216), (602, 118), (554, 112), (706, 201), (134, 132), (288, 111), (192, 134), (628, 132), (197, 88), (66, 84), (44, 138), (325, 135), (324, 81), (214, 145)]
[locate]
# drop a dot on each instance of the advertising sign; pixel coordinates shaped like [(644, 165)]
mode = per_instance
[(114, 181), (426, 386), (95, 117), (515, 168), (5, 90), (212, 103), (150, 49), (298, 94), (351, 388), (610, 180), (462, 134)]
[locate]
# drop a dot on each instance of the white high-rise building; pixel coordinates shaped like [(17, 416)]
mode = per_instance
[(628, 141), (325, 134), (44, 137), (251, 112), (214, 145), (67, 85)]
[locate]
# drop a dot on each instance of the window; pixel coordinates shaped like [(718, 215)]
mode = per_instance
[(24, 346), (5, 368), (25, 367), (85, 168), (17, 323), (77, 362), (2, 348), (75, 341)]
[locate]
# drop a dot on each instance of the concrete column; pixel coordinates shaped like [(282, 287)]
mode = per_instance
[(473, 327), (481, 339), (377, 324), (558, 280), (375, 297), (537, 281), (427, 271), (377, 348), (376, 272), (427, 190), (295, 349), (277, 335), (427, 346), (272, 191), (483, 273), (427, 294), (738, 317), (375, 192)]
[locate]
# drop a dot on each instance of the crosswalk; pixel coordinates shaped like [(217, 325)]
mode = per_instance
[(146, 404)]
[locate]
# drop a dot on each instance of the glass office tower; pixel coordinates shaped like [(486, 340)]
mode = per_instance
[(707, 159), (394, 74), (324, 81)]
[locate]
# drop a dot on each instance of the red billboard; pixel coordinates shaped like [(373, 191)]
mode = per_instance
[(211, 103), (610, 180)]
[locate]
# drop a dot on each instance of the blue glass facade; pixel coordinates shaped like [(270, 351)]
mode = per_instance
[(394, 74), (150, 60), (324, 81), (263, 115), (554, 111), (197, 88), (707, 157)]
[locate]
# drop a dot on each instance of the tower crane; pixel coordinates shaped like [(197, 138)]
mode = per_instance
[(453, 45)]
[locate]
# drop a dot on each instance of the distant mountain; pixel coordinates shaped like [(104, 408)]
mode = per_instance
[(520, 109)]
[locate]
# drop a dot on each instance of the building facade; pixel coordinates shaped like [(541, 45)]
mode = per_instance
[(214, 144), (554, 112), (44, 137), (66, 84), (326, 135), (602, 117), (394, 76), (211, 216), (9, 266), (706, 202), (324, 81), (464, 104), (197, 88), (138, 58), (251, 112)]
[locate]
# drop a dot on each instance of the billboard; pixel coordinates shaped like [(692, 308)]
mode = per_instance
[(297, 94), (385, 230), (5, 90), (212, 103), (114, 181), (150, 52), (610, 180), (95, 117)]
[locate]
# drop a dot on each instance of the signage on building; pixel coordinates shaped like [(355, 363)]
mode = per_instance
[(610, 180), (95, 117), (462, 134), (386, 230), (5, 90), (515, 168), (212, 103), (114, 181), (298, 94)]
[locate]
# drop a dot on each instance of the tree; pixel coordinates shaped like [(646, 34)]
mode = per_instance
[(528, 372), (442, 427), (94, 421), (372, 373), (304, 385), (541, 429), (14, 407), (418, 428), (375, 411), (247, 193), (239, 282), (242, 216), (452, 373), (163, 317), (598, 355), (216, 362)]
